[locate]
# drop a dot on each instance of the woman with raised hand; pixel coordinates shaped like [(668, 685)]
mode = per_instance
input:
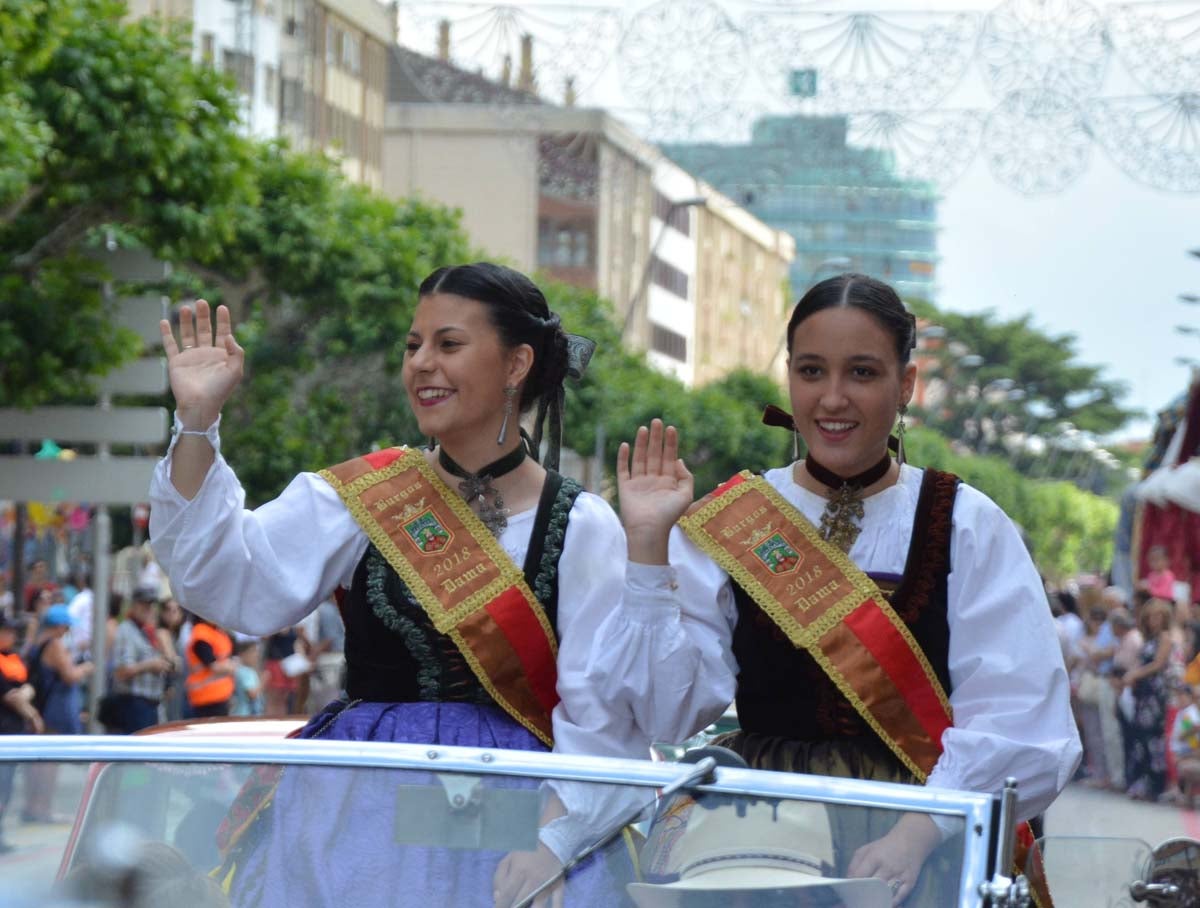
[(416, 544), (800, 594)]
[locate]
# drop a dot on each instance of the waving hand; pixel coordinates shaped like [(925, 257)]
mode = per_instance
[(203, 372), (655, 488)]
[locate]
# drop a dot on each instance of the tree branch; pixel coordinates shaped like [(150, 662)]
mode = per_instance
[(69, 230), (236, 294), (13, 211)]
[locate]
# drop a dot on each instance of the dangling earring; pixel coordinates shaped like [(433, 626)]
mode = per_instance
[(900, 427), (509, 393), (795, 445)]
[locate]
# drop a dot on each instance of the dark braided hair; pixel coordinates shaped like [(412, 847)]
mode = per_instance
[(518, 311), (872, 296)]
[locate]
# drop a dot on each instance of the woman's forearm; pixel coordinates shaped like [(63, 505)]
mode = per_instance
[(191, 460)]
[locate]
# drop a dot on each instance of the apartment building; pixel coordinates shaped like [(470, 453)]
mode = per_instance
[(840, 203), (575, 194), (314, 71)]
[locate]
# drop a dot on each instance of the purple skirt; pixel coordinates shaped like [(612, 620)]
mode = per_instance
[(333, 837)]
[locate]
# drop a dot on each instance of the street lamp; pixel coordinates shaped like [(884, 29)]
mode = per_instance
[(644, 280)]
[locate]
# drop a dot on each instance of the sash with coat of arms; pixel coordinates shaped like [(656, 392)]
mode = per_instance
[(456, 570), (827, 606)]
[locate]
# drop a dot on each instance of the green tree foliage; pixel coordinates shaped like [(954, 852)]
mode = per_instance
[(322, 282), (101, 122), (1044, 365), (1068, 530), (30, 32)]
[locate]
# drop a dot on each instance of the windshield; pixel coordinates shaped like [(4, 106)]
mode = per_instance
[(157, 830), (1094, 870)]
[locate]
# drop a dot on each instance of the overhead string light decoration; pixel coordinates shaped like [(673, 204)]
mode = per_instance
[(706, 71)]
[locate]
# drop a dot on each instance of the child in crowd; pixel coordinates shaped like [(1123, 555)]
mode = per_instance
[(1160, 581), (1185, 746), (247, 691)]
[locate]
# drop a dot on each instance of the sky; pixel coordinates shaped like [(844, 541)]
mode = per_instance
[(1104, 259)]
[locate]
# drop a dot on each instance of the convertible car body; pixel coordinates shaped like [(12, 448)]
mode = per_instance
[(208, 800)]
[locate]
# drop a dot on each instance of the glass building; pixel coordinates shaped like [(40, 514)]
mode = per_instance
[(839, 202)]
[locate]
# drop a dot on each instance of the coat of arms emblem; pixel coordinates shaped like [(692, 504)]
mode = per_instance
[(777, 554), (427, 533)]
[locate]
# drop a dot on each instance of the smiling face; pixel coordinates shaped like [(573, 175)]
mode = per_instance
[(846, 384), (456, 368)]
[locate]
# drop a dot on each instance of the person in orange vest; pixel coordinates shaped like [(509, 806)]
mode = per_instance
[(17, 712), (210, 681)]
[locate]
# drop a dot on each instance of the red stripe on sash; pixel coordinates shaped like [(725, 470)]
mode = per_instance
[(894, 655), (380, 459), (727, 485), (525, 635)]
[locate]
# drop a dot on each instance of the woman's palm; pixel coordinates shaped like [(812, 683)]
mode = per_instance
[(654, 486), (203, 373)]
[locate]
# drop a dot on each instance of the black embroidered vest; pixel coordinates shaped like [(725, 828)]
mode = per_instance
[(783, 692), (393, 652)]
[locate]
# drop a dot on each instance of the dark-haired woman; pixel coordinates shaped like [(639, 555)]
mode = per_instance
[(419, 545), (760, 603)]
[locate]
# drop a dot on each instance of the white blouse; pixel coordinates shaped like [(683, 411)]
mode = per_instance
[(263, 570), (665, 652)]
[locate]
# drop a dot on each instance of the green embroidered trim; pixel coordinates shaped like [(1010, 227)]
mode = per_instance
[(545, 584), (415, 640)]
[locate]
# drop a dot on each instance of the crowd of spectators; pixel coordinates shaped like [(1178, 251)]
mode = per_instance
[(154, 656), (1134, 664)]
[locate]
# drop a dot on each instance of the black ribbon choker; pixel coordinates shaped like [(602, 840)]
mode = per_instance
[(841, 519), (478, 486), (867, 477)]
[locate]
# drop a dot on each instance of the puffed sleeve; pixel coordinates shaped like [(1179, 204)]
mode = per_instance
[(1010, 693), (252, 571), (664, 653), (595, 583)]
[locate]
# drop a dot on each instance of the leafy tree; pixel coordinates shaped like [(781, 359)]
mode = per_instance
[(1068, 530), (30, 32), (1044, 366), (101, 122), (322, 278)]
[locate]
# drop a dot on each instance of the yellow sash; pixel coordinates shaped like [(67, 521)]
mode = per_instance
[(462, 578)]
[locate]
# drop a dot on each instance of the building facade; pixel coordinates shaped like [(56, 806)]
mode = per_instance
[(575, 194), (742, 300), (314, 71), (844, 206)]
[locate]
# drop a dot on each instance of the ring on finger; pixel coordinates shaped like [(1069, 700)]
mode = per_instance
[(895, 885)]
